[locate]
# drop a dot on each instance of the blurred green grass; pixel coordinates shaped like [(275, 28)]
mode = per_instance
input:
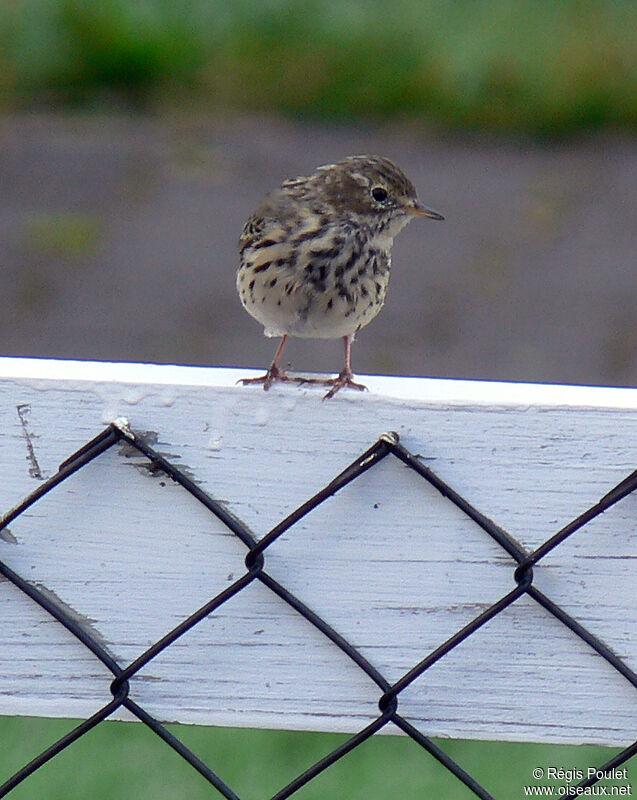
[(126, 760), (531, 66)]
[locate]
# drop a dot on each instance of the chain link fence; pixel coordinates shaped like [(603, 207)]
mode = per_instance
[(388, 445)]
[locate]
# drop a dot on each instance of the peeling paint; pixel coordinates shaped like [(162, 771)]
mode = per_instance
[(24, 409), (146, 467), (86, 622)]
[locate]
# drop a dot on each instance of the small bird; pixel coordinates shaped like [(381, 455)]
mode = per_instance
[(316, 256)]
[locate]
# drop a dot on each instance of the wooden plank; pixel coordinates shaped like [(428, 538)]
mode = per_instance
[(391, 564)]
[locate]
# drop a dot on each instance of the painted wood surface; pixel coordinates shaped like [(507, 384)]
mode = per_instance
[(389, 562)]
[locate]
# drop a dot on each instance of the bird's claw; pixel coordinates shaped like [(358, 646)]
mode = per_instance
[(344, 381), (273, 375)]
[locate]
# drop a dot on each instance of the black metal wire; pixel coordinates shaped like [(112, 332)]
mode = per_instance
[(255, 560)]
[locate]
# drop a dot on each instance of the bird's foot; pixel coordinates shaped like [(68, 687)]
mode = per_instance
[(343, 381), (273, 375)]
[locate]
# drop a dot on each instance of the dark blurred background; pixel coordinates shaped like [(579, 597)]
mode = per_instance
[(137, 137)]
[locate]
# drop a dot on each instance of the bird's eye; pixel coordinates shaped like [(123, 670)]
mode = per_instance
[(379, 194)]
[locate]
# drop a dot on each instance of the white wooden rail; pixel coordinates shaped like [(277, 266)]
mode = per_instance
[(388, 562)]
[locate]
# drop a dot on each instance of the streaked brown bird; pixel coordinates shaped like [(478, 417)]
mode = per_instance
[(316, 256)]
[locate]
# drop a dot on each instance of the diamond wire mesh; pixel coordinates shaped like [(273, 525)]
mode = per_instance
[(388, 444)]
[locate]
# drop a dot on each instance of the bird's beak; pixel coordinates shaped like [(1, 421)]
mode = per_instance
[(422, 211)]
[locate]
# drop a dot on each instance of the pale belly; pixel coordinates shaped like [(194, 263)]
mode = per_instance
[(292, 304), (313, 315)]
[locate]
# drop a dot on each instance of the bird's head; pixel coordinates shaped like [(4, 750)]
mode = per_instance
[(371, 188)]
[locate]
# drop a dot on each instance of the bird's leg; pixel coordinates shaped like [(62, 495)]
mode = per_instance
[(274, 373), (346, 377)]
